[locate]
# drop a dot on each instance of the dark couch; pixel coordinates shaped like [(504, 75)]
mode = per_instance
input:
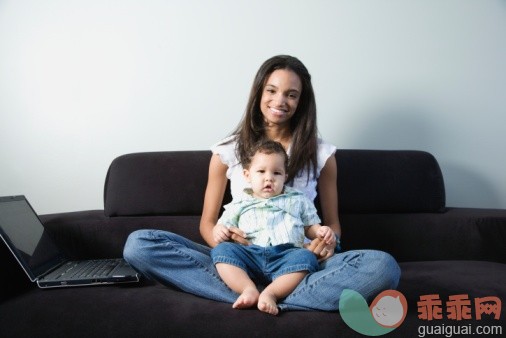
[(389, 200)]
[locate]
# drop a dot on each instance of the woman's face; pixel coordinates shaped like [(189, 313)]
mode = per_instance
[(280, 96)]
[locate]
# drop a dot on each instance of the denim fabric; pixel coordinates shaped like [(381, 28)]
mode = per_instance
[(265, 263), (174, 260)]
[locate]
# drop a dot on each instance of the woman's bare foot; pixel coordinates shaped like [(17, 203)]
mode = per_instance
[(267, 302), (247, 299)]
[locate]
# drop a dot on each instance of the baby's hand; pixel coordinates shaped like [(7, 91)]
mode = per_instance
[(326, 234), (220, 233)]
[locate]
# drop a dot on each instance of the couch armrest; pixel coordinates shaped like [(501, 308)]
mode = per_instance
[(456, 234), (91, 234), (76, 232)]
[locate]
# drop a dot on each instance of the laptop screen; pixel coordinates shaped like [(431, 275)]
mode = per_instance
[(25, 236)]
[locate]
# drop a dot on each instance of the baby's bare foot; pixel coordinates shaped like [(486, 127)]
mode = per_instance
[(267, 302), (247, 299)]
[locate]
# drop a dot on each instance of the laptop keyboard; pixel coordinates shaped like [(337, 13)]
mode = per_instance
[(88, 269)]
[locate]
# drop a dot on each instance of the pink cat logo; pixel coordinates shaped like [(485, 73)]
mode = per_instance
[(389, 308)]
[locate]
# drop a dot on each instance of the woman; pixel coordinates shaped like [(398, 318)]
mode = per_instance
[(282, 108)]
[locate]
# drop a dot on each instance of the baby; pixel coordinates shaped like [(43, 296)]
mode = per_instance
[(275, 219)]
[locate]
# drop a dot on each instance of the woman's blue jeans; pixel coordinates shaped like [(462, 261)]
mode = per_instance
[(174, 260)]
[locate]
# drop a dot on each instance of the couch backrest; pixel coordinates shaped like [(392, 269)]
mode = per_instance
[(389, 181), (369, 181), (157, 183)]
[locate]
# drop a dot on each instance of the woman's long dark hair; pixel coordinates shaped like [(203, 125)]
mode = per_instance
[(251, 129)]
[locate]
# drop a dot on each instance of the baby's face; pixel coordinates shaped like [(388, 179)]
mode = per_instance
[(266, 174)]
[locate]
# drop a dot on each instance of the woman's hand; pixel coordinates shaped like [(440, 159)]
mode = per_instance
[(220, 233), (322, 250), (238, 236), (223, 234)]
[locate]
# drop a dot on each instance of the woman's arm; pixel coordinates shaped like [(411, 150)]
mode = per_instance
[(327, 191), (215, 190)]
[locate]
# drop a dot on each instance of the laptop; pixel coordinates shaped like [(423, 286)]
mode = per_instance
[(25, 236)]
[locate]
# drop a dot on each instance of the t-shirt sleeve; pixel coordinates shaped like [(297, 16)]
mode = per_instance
[(325, 150), (226, 150)]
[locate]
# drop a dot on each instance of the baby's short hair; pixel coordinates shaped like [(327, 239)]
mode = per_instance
[(265, 147)]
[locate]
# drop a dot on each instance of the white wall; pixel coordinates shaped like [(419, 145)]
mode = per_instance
[(82, 82)]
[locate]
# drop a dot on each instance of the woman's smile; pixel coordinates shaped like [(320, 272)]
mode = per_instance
[(278, 112), (280, 96)]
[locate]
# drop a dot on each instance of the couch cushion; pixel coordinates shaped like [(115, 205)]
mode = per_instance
[(389, 181), (157, 183), (152, 310)]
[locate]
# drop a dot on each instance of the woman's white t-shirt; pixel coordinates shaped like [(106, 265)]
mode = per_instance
[(226, 150)]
